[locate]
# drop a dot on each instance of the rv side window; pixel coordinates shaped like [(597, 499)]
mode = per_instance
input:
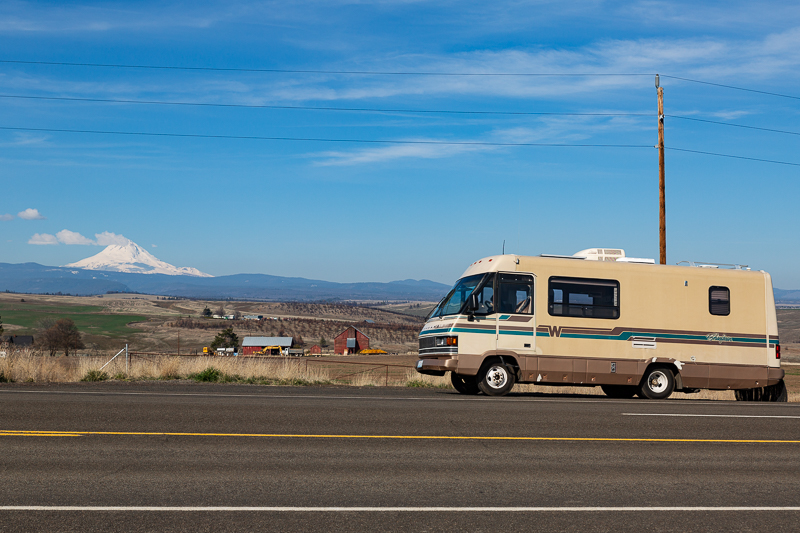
[(719, 301), (584, 298)]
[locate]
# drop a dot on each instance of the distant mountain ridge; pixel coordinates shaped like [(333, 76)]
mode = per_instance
[(785, 296), (36, 278)]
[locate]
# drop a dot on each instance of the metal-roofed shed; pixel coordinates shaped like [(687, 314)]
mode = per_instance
[(251, 345)]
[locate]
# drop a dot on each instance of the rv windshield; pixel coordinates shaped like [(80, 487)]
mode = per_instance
[(455, 299)]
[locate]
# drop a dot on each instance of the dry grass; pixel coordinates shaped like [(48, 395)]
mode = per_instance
[(29, 366)]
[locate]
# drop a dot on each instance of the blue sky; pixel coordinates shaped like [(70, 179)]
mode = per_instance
[(346, 211)]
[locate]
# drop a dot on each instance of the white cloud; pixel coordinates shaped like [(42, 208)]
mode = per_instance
[(398, 151), (72, 237), (24, 17), (66, 236), (30, 214), (154, 245), (43, 238), (107, 238), (6, 217)]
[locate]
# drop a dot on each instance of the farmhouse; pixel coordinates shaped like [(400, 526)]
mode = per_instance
[(17, 340), (350, 341), (251, 345)]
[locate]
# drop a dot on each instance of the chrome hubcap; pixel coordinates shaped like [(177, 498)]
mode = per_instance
[(496, 377), (658, 381)]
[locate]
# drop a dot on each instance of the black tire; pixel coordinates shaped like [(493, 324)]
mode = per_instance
[(496, 379), (776, 393), (658, 383), (464, 384), (619, 391)]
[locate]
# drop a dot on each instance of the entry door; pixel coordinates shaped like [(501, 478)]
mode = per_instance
[(516, 319)]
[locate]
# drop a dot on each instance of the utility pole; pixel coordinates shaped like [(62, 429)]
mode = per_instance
[(662, 212)]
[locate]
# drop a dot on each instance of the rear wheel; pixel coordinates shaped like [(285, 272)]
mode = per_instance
[(464, 384), (496, 379), (619, 391), (658, 383)]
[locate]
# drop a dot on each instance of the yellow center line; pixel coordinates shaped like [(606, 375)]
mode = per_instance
[(395, 437), (39, 434)]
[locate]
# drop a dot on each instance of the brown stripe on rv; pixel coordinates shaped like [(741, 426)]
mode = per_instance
[(619, 330)]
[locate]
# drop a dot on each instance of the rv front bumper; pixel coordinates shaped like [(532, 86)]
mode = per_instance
[(436, 367)]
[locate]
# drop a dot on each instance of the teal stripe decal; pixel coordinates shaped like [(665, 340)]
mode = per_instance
[(626, 335)]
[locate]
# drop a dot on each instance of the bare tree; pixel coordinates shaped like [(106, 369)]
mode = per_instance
[(63, 335)]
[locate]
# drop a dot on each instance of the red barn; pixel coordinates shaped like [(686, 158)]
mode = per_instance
[(350, 341), (315, 350)]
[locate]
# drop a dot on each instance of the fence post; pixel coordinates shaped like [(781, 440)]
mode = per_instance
[(126, 360), (387, 376)]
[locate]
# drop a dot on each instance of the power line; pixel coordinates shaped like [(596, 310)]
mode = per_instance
[(732, 87), (387, 73), (383, 141), (317, 139), (733, 156), (314, 71), (734, 125), (317, 108)]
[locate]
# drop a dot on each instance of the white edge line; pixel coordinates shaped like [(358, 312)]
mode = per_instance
[(454, 397), (383, 509), (709, 416)]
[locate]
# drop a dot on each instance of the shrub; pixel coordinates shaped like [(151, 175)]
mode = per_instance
[(95, 375), (209, 374)]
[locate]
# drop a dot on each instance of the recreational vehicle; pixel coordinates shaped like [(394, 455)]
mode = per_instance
[(599, 318)]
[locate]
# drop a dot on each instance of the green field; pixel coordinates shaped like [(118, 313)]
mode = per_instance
[(89, 319)]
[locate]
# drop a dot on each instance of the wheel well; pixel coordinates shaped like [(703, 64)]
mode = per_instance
[(507, 360), (675, 373)]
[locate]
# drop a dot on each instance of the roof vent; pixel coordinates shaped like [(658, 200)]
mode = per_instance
[(601, 254)]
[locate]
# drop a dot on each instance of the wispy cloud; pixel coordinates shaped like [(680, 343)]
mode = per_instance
[(43, 238), (395, 151), (571, 129), (30, 214), (708, 57), (6, 217), (27, 17)]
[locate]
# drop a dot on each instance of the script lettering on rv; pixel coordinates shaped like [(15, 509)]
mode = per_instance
[(720, 338)]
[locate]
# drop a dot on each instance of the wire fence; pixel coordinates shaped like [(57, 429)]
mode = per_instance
[(337, 369)]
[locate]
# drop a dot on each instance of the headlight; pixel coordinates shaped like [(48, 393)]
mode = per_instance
[(446, 341)]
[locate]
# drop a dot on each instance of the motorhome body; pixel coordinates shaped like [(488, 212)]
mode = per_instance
[(616, 322)]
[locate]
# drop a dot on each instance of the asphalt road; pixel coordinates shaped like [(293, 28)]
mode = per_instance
[(187, 457)]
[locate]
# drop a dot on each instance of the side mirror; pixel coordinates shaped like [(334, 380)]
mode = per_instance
[(472, 303), (472, 306)]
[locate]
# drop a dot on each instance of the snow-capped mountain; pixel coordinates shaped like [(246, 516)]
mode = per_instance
[(134, 259)]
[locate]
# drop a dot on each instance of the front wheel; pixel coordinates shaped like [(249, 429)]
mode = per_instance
[(464, 384), (658, 384), (496, 380)]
